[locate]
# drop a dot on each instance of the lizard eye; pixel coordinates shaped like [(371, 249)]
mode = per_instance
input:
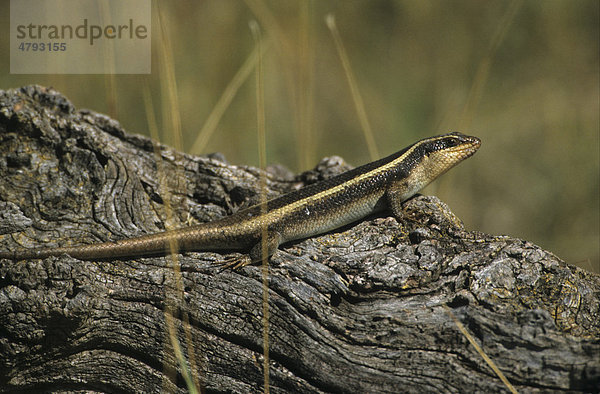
[(452, 142)]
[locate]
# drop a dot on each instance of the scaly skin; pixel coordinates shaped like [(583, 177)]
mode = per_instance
[(312, 210)]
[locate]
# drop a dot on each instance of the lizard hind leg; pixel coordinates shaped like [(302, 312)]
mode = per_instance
[(234, 262), (257, 253)]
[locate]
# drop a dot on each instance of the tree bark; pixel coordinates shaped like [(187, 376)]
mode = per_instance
[(375, 307)]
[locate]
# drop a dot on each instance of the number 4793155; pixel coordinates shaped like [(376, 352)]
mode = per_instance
[(43, 46)]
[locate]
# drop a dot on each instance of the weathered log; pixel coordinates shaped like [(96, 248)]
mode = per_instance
[(369, 308)]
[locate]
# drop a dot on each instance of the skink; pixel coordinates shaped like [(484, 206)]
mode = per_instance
[(312, 210)]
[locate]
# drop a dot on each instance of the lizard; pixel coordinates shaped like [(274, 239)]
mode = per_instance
[(314, 209)]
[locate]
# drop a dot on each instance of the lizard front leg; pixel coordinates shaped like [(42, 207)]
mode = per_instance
[(395, 196)]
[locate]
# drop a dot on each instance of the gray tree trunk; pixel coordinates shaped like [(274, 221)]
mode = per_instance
[(375, 307)]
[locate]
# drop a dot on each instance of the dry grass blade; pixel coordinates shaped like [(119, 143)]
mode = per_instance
[(483, 70), (172, 122), (479, 350), (262, 154), (225, 100), (357, 98), (306, 89), (109, 66)]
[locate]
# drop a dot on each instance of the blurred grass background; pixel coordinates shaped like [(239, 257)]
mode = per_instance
[(523, 76)]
